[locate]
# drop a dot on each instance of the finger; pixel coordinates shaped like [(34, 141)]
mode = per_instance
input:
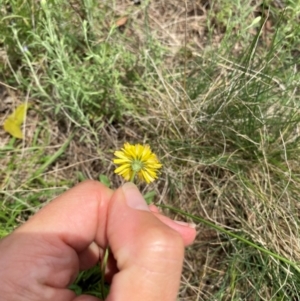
[(149, 254), (77, 217), (57, 241), (153, 208), (186, 230), (89, 257)]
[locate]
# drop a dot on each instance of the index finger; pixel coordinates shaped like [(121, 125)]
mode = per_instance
[(77, 217)]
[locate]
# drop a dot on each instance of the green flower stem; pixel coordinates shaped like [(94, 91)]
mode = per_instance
[(103, 268), (105, 258), (222, 230), (132, 177)]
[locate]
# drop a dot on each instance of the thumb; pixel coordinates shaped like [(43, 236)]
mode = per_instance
[(149, 254)]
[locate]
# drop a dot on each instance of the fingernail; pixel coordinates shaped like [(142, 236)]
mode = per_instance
[(191, 225), (133, 197)]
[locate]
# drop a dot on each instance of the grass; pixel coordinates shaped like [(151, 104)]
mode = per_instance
[(212, 88)]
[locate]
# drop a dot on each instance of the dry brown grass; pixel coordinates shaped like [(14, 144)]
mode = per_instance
[(205, 172)]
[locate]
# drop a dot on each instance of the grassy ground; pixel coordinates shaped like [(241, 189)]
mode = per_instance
[(212, 86)]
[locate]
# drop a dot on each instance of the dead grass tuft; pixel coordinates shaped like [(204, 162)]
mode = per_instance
[(225, 130)]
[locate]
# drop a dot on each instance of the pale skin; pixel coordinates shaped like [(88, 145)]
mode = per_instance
[(41, 258)]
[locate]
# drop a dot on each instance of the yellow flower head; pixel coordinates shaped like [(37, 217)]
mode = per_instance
[(137, 159)]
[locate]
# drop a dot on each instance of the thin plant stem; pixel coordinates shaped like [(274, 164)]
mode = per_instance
[(103, 268), (105, 258), (229, 233), (132, 177)]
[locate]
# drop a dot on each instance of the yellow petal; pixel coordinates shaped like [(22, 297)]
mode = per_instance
[(120, 154), (151, 172), (146, 176), (130, 152), (147, 153), (127, 174), (121, 168), (121, 161)]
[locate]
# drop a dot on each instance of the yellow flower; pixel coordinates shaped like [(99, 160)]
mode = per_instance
[(137, 159)]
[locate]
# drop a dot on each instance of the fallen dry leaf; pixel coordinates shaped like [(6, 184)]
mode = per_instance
[(13, 122), (122, 21)]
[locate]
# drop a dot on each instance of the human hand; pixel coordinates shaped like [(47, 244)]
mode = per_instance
[(41, 258)]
